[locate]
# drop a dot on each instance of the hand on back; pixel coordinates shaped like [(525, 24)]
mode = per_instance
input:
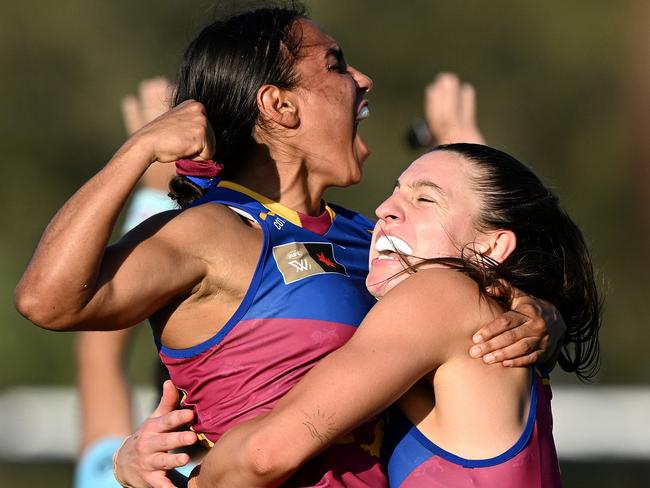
[(530, 333)]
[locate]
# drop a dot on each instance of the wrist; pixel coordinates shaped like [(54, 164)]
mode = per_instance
[(138, 148), (116, 474)]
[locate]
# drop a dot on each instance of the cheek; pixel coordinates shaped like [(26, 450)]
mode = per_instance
[(434, 240)]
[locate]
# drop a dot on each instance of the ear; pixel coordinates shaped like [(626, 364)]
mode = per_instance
[(278, 106), (499, 244)]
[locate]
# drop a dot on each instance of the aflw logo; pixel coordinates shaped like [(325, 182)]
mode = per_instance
[(298, 260), (302, 265)]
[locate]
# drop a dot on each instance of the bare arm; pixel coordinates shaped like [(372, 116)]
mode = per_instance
[(396, 345), (100, 375), (100, 355), (72, 281)]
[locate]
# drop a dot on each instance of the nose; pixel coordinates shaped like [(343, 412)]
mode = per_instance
[(390, 210), (363, 81)]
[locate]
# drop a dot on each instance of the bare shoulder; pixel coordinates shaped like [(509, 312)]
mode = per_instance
[(209, 217), (438, 298), (204, 229), (437, 288)]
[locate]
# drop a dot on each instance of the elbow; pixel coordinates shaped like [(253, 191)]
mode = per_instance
[(268, 462), (40, 311)]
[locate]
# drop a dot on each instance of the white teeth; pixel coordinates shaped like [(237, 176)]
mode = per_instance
[(392, 244), (364, 113)]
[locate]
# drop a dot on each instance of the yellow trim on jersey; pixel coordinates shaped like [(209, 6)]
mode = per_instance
[(203, 439), (274, 207), (331, 212)]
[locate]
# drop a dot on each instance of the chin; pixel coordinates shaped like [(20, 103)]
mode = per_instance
[(357, 165), (356, 177), (350, 177), (375, 290), (378, 284)]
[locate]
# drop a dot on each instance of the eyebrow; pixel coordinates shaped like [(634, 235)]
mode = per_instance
[(423, 183), (335, 51)]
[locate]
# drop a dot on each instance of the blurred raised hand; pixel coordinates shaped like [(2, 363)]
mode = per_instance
[(153, 98), (450, 110)]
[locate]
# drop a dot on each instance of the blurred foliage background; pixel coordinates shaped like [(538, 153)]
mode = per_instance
[(563, 86)]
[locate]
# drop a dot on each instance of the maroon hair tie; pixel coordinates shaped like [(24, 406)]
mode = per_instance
[(199, 169)]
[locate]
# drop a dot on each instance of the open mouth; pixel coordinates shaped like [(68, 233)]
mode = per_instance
[(363, 112), (386, 244)]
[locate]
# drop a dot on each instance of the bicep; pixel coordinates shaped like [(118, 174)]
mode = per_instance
[(138, 276)]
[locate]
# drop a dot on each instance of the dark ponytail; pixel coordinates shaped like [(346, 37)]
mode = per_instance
[(224, 67), (551, 260)]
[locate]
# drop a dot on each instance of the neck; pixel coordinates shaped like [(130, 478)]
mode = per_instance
[(284, 178)]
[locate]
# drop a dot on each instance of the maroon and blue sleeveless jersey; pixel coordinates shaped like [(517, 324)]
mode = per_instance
[(415, 462), (305, 300)]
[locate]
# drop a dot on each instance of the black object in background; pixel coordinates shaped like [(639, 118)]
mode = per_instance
[(418, 135)]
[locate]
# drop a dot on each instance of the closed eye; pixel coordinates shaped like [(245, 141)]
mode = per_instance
[(339, 67), (426, 200), (336, 61)]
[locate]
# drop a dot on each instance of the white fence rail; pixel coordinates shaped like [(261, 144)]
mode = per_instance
[(591, 422)]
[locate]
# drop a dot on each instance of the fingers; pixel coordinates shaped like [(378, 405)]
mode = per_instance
[(161, 481), (488, 350), (183, 132), (531, 308), (210, 145), (163, 461), (545, 322), (471, 131), (131, 114), (498, 326), (467, 102), (450, 110), (144, 456), (523, 361), (155, 98), (204, 139), (502, 348), (151, 450), (441, 106), (168, 401), (168, 423), (517, 336)]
